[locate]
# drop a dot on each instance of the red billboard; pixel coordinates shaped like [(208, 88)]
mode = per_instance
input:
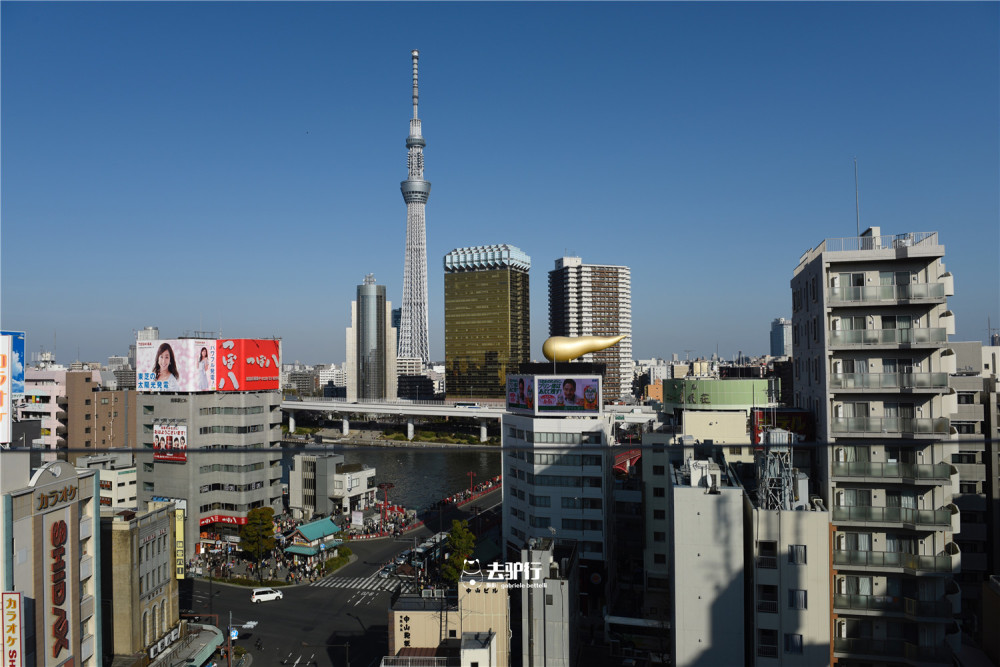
[(219, 518), (248, 364), (170, 442)]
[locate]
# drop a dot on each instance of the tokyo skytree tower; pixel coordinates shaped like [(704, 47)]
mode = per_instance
[(413, 341)]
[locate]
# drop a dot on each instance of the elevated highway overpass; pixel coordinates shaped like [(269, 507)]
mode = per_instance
[(403, 409)]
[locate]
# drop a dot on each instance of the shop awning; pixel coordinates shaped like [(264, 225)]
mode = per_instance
[(302, 551)]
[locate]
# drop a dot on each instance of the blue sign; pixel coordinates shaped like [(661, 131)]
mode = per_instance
[(322, 546), (16, 365), (234, 634)]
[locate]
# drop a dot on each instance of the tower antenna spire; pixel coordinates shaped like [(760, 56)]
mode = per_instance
[(416, 57)]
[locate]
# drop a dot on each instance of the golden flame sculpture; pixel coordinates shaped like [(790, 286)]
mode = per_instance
[(563, 348)]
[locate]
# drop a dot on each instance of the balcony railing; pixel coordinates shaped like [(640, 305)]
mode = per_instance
[(893, 559), (889, 381), (940, 425), (767, 562), (886, 293), (764, 651), (929, 471), (941, 517), (881, 603), (767, 606), (888, 336), (886, 647)]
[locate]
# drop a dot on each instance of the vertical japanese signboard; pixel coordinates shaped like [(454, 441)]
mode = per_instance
[(6, 387), (179, 544), (13, 643)]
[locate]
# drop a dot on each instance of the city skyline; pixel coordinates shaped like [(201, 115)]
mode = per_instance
[(706, 147)]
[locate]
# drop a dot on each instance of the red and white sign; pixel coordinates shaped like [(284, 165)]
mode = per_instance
[(13, 650), (59, 619), (218, 518), (170, 442), (248, 364)]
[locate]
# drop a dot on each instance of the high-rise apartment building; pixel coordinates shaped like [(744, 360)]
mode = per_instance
[(371, 341), (595, 300), (781, 337), (487, 331), (871, 360), (413, 337)]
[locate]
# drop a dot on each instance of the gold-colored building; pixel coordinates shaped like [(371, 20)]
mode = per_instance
[(487, 331)]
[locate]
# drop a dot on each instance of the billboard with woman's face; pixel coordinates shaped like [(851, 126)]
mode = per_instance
[(186, 364)]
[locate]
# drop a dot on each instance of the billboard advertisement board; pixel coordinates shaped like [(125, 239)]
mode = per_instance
[(16, 364), (248, 364), (568, 395), (170, 442), (521, 393), (175, 365), (6, 387), (13, 649)]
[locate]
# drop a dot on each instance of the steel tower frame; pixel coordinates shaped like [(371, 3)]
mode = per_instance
[(413, 338)]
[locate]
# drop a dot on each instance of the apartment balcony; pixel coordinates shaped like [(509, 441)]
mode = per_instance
[(879, 649), (887, 294), (889, 382), (852, 338), (881, 605), (899, 562), (940, 519), (970, 412), (882, 426), (903, 472), (765, 651), (767, 562), (767, 606)]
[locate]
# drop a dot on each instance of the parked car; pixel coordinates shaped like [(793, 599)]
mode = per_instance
[(265, 594)]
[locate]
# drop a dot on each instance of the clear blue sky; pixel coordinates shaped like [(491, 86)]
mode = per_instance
[(196, 165)]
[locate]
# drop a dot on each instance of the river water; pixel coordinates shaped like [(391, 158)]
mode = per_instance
[(421, 478)]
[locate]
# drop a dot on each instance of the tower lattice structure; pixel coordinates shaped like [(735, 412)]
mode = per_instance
[(413, 339)]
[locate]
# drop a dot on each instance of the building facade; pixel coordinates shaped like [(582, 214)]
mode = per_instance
[(595, 300), (487, 327), (324, 484), (781, 337), (870, 330), (371, 363), (50, 554), (232, 462), (116, 479)]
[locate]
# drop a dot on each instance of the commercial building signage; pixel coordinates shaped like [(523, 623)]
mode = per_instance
[(58, 614), (167, 640), (217, 518), (175, 365), (13, 643), (248, 364), (181, 503), (179, 544), (16, 364), (6, 387), (50, 499), (521, 393), (170, 442), (565, 395)]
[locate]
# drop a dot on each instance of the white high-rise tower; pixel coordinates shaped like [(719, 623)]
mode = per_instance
[(413, 341)]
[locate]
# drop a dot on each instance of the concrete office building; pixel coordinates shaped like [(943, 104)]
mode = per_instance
[(324, 484), (116, 479), (371, 363), (870, 328), (139, 584), (487, 326), (781, 337), (595, 300), (232, 463), (550, 613), (49, 553)]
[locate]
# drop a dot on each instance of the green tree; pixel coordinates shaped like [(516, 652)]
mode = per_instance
[(257, 535), (461, 544)]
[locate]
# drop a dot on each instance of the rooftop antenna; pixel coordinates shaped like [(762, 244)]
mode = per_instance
[(857, 201)]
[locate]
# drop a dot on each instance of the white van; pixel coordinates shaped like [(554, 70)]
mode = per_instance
[(265, 594)]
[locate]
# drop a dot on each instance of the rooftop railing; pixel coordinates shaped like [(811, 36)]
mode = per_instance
[(883, 242)]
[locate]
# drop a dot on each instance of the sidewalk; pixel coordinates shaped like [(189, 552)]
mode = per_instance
[(240, 572)]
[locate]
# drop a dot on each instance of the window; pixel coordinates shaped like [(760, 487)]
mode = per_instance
[(767, 643), (659, 492), (735, 451), (967, 487), (660, 514), (540, 501), (86, 401), (659, 537), (797, 554), (548, 599), (540, 521), (451, 633), (657, 470), (660, 559), (796, 599), (793, 643)]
